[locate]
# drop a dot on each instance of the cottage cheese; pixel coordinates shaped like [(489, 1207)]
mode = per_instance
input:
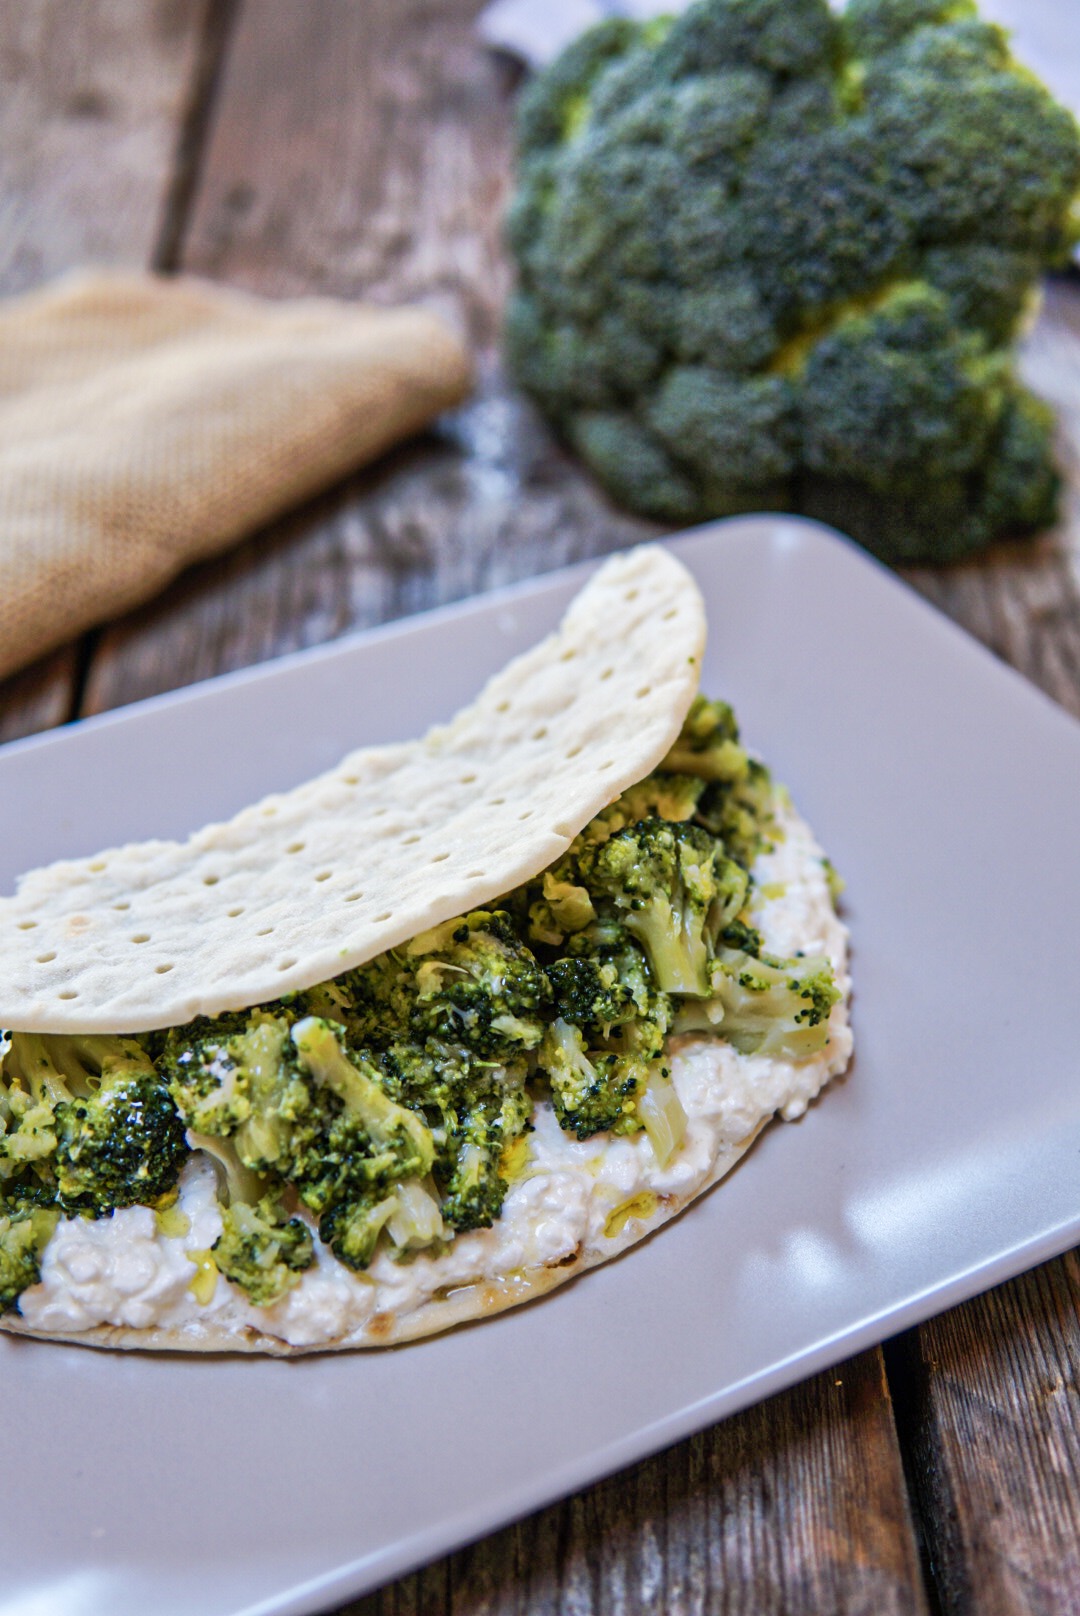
[(126, 1270)]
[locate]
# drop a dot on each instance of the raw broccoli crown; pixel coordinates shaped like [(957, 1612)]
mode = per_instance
[(389, 1108), (770, 256)]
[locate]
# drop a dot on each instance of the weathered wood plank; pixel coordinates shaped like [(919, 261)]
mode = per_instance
[(758, 1516), (39, 697), (365, 149), (93, 94), (991, 1416)]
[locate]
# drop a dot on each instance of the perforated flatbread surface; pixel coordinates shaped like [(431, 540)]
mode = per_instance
[(397, 838)]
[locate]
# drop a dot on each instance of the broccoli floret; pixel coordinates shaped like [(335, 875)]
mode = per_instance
[(607, 1040), (399, 1145), (352, 1228), (25, 1231), (243, 1084), (598, 1082), (262, 1250), (95, 1125), (477, 1110), (771, 256), (470, 981), (902, 398), (477, 985), (766, 1006), (660, 881), (590, 1092), (409, 1213), (592, 993)]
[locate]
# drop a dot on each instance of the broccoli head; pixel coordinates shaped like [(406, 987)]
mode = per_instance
[(772, 256)]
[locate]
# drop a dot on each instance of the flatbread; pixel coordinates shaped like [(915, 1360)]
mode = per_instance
[(750, 1090), (548, 743), (312, 882)]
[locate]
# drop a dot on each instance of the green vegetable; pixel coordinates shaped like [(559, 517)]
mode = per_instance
[(262, 1250), (90, 1125), (773, 257), (763, 1005), (660, 880), (25, 1231)]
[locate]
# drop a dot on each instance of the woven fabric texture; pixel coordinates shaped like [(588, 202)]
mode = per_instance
[(148, 422)]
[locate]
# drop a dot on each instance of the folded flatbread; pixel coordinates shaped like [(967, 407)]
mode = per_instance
[(389, 869)]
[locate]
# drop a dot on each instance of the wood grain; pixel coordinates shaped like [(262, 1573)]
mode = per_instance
[(792, 1509), (93, 95), (990, 1419), (364, 149)]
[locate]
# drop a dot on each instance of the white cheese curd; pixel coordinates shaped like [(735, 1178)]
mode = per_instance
[(596, 1195)]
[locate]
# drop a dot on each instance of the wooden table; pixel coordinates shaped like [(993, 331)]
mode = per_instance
[(362, 147)]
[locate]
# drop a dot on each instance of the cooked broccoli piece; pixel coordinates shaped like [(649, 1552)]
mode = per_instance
[(399, 1144), (476, 1109), (409, 1213), (735, 791), (470, 981), (477, 985), (262, 1250), (590, 1093), (772, 256), (94, 1123), (243, 1083), (25, 1231), (606, 1043), (766, 1006), (352, 1228), (660, 881), (597, 1081), (708, 744), (563, 908)]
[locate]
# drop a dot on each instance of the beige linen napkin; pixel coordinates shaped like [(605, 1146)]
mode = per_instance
[(146, 422)]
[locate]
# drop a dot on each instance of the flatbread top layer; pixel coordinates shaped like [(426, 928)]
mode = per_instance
[(314, 881)]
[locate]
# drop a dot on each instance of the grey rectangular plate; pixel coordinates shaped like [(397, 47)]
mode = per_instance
[(944, 787)]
